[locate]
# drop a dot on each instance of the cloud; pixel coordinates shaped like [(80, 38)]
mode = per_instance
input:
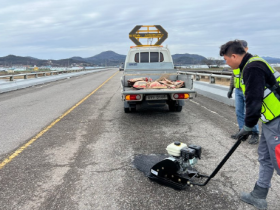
[(62, 29)]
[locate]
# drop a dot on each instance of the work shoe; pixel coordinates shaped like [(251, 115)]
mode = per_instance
[(254, 138), (234, 136), (256, 198)]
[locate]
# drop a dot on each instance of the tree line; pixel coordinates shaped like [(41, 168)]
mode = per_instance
[(212, 62)]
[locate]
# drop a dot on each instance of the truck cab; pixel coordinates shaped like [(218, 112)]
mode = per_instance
[(156, 57)]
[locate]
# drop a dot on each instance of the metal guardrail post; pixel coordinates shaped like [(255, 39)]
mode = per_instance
[(25, 76), (197, 77), (11, 78), (212, 79), (36, 75)]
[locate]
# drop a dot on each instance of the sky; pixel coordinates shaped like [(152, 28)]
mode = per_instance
[(52, 29)]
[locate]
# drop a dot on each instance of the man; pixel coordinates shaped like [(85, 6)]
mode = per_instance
[(260, 83), (240, 102)]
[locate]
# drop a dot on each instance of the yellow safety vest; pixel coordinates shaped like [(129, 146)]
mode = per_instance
[(236, 73), (270, 104)]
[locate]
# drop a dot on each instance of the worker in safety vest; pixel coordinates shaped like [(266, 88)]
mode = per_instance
[(240, 102), (260, 84)]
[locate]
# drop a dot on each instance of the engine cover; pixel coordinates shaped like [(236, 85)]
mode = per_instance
[(174, 149)]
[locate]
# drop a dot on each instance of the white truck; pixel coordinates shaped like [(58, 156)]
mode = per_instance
[(153, 62)]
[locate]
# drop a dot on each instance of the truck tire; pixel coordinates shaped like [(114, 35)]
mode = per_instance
[(179, 108), (172, 107), (126, 110), (133, 109)]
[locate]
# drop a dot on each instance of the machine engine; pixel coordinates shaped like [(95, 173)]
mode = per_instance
[(177, 170), (184, 156)]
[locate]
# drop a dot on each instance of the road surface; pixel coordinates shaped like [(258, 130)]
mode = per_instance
[(83, 158)]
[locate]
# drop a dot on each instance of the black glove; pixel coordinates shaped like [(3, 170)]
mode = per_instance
[(244, 133), (229, 94)]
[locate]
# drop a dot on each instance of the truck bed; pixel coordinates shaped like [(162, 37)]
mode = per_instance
[(154, 75), (131, 90)]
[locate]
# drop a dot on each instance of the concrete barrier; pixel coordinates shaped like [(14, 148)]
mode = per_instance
[(24, 83), (215, 92)]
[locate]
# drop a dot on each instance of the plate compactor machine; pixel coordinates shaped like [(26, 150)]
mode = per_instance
[(177, 170)]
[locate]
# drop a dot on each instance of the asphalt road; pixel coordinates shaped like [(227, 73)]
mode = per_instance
[(85, 160)]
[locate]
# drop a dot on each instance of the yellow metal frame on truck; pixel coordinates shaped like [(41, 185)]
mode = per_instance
[(147, 33)]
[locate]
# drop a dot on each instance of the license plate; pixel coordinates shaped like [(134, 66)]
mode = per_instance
[(156, 97)]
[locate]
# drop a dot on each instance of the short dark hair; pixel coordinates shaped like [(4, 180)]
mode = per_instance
[(232, 47), (244, 43)]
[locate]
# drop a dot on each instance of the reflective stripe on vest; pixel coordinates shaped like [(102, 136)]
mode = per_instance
[(270, 104), (276, 74), (236, 73), (266, 92)]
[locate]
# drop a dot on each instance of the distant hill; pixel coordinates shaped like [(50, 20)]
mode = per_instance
[(112, 58), (186, 58), (271, 60), (11, 60), (78, 58), (110, 55), (109, 58), (32, 58)]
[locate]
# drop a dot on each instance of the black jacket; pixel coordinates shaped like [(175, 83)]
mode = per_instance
[(255, 75)]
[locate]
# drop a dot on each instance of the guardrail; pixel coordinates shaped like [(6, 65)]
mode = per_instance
[(48, 73), (211, 76), (16, 82), (224, 72), (211, 90)]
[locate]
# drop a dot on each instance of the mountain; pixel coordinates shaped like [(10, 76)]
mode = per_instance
[(12, 60), (186, 58), (271, 60), (32, 58), (77, 58), (109, 58), (110, 55)]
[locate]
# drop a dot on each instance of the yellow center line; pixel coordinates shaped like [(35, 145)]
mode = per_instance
[(18, 151)]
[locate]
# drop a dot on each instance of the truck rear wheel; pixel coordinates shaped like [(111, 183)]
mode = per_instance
[(179, 108), (126, 110), (172, 107)]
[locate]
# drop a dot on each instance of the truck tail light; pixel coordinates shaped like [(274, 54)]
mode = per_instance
[(133, 97), (181, 96)]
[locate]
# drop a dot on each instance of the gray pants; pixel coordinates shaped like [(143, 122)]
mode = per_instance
[(269, 152)]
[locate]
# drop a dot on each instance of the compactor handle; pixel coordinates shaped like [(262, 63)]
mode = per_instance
[(234, 147)]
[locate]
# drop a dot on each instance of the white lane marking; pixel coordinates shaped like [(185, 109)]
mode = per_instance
[(205, 108), (210, 110), (44, 85)]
